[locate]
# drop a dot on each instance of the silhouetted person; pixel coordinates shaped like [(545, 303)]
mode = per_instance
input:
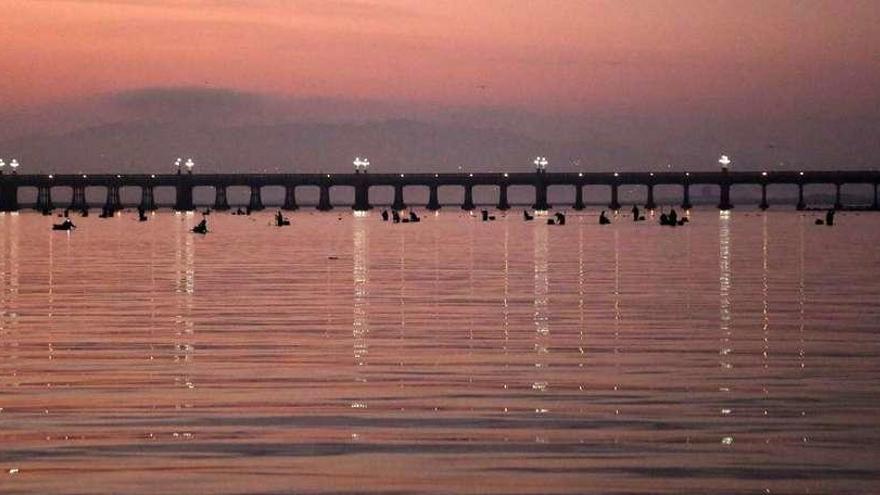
[(142, 217), (673, 217), (66, 212), (485, 215), (829, 217), (384, 215), (635, 211), (413, 217), (201, 228), (526, 216), (560, 218), (395, 216), (280, 221), (65, 225), (603, 220), (664, 219)]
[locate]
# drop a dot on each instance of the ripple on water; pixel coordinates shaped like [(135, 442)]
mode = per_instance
[(738, 354)]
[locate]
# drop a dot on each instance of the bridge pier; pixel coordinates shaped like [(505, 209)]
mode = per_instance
[(362, 197), (256, 201), (503, 204), (433, 201), (290, 198), (468, 204), (44, 199), (78, 199), (579, 197), (184, 198), (112, 203), (540, 195), (615, 204), (764, 204), (221, 201), (324, 198), (8, 197), (724, 204), (801, 205), (838, 204), (686, 201), (649, 204), (398, 203), (148, 203)]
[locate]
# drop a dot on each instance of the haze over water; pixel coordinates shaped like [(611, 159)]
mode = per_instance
[(736, 354)]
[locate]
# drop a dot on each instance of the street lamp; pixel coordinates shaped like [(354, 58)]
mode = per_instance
[(361, 164), (725, 162), (13, 165), (540, 163), (177, 163), (2, 165), (189, 165)]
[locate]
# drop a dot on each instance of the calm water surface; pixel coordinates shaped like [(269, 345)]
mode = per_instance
[(738, 354)]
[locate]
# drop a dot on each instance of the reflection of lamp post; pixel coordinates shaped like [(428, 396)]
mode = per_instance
[(189, 165), (725, 162), (13, 165), (540, 163), (361, 164)]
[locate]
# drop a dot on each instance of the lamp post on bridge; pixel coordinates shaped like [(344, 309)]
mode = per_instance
[(361, 165), (540, 164), (725, 162), (13, 166)]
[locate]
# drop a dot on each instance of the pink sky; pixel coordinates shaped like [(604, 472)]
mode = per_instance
[(566, 56)]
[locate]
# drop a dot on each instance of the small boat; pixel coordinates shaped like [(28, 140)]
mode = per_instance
[(65, 225), (201, 228), (560, 218)]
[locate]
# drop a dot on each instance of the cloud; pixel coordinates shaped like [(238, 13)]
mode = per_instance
[(314, 8), (185, 99)]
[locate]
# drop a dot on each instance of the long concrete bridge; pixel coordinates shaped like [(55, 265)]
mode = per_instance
[(361, 182)]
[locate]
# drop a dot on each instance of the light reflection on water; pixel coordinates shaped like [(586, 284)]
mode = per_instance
[(738, 354)]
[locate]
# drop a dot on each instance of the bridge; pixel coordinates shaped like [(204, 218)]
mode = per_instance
[(361, 182)]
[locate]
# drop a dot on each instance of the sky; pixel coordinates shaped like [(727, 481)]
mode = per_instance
[(615, 83)]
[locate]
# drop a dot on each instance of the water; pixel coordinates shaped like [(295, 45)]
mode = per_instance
[(738, 354)]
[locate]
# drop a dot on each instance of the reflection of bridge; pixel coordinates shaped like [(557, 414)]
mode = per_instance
[(361, 182)]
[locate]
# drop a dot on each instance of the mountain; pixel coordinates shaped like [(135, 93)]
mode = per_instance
[(392, 145)]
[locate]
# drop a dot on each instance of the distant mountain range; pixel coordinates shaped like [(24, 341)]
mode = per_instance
[(144, 130), (393, 145)]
